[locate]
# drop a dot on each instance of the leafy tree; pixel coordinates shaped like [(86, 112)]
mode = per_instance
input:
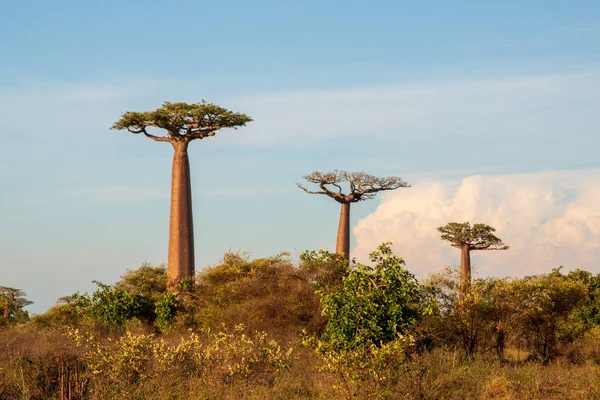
[(324, 269), (12, 304), (182, 123), (478, 320), (148, 281), (462, 318), (362, 187), (502, 306), (468, 238), (110, 304), (374, 304), (547, 305), (589, 311)]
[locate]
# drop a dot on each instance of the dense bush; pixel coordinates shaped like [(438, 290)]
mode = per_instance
[(111, 304), (374, 304), (267, 294), (268, 328)]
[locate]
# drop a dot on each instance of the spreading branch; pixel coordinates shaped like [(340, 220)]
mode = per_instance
[(362, 186), (149, 135)]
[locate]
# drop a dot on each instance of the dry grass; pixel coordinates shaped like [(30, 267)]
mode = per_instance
[(33, 364)]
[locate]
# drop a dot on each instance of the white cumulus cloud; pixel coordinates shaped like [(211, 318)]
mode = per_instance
[(549, 219)]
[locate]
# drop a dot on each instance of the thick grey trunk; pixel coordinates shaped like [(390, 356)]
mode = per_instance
[(180, 264), (343, 237)]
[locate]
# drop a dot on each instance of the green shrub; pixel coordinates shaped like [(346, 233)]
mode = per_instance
[(374, 304), (165, 310), (111, 304)]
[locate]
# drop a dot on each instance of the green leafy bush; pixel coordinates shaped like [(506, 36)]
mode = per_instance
[(110, 304), (165, 310), (374, 304)]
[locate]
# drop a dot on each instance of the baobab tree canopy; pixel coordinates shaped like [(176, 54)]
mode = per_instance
[(182, 121), (477, 237), (362, 186)]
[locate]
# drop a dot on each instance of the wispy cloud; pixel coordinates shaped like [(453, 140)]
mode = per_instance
[(240, 191), (481, 108), (486, 115), (119, 194), (133, 194)]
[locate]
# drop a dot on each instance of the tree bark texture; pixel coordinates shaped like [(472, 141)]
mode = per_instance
[(343, 237), (181, 228), (465, 269)]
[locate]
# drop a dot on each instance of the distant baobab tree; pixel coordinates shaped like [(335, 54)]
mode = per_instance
[(362, 187), (182, 123), (468, 238)]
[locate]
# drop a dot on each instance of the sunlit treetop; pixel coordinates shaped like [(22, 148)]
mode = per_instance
[(477, 237), (362, 185), (181, 121)]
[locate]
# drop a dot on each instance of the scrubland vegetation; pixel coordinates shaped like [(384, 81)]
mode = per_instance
[(319, 329)]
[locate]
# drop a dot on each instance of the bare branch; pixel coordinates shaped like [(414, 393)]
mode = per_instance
[(362, 186), (308, 191), (157, 138), (338, 187), (143, 130)]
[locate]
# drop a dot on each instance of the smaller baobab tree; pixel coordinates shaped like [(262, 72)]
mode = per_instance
[(468, 238), (362, 186)]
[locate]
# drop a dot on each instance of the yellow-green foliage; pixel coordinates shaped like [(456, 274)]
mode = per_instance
[(233, 364), (216, 357), (368, 372)]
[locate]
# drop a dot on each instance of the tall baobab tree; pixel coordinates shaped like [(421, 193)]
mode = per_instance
[(181, 123), (468, 238), (362, 187)]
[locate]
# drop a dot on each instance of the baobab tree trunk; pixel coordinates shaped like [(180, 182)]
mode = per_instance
[(181, 228), (343, 237), (465, 269)]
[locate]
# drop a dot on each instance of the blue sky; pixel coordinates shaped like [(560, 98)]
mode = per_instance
[(432, 91)]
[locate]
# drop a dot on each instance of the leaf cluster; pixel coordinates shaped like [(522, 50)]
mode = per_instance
[(182, 121), (477, 237), (374, 304), (324, 269), (110, 304), (589, 311)]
